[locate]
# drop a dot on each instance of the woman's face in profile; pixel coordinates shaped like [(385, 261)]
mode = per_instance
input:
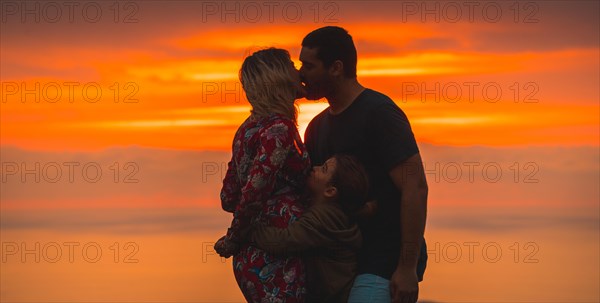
[(300, 90)]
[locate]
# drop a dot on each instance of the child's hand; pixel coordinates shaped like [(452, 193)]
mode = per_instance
[(226, 248), (368, 210)]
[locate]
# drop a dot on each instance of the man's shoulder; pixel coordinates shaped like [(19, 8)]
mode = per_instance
[(375, 99), (382, 107)]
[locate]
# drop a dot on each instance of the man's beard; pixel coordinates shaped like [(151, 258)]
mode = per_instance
[(318, 90)]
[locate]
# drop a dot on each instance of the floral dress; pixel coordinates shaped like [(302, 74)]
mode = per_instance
[(263, 185)]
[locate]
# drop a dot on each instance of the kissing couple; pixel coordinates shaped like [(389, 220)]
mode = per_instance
[(340, 216)]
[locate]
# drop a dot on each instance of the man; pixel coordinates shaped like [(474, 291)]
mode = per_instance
[(370, 126)]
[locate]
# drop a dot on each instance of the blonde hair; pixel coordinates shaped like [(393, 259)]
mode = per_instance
[(269, 87)]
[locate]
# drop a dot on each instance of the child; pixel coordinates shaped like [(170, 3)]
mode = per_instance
[(327, 234)]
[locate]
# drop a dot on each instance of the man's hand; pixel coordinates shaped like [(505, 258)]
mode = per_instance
[(404, 286), (226, 248)]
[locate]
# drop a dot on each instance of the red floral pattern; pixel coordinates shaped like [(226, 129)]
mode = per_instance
[(263, 184)]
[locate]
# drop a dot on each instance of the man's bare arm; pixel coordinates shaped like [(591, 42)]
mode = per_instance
[(409, 178)]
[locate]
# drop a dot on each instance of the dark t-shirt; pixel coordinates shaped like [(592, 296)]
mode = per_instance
[(375, 130)]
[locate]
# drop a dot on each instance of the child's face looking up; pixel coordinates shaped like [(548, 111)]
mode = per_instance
[(320, 176)]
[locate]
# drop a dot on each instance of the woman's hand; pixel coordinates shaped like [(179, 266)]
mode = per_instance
[(226, 248)]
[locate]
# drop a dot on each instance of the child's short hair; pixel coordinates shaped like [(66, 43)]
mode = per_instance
[(352, 183)]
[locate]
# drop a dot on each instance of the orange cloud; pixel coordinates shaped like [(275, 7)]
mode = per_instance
[(187, 88)]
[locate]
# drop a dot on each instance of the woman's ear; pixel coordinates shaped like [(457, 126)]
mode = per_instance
[(330, 191)]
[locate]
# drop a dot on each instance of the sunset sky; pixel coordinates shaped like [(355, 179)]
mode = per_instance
[(147, 92)]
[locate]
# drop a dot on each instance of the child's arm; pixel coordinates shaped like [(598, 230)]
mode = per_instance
[(302, 235)]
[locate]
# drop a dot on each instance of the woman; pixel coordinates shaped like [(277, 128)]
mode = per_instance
[(265, 178)]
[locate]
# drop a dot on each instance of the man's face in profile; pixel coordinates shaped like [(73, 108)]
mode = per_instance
[(314, 75)]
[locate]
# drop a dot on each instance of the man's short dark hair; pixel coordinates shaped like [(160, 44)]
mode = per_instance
[(333, 43)]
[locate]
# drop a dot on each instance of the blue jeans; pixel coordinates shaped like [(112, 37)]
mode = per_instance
[(370, 288)]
